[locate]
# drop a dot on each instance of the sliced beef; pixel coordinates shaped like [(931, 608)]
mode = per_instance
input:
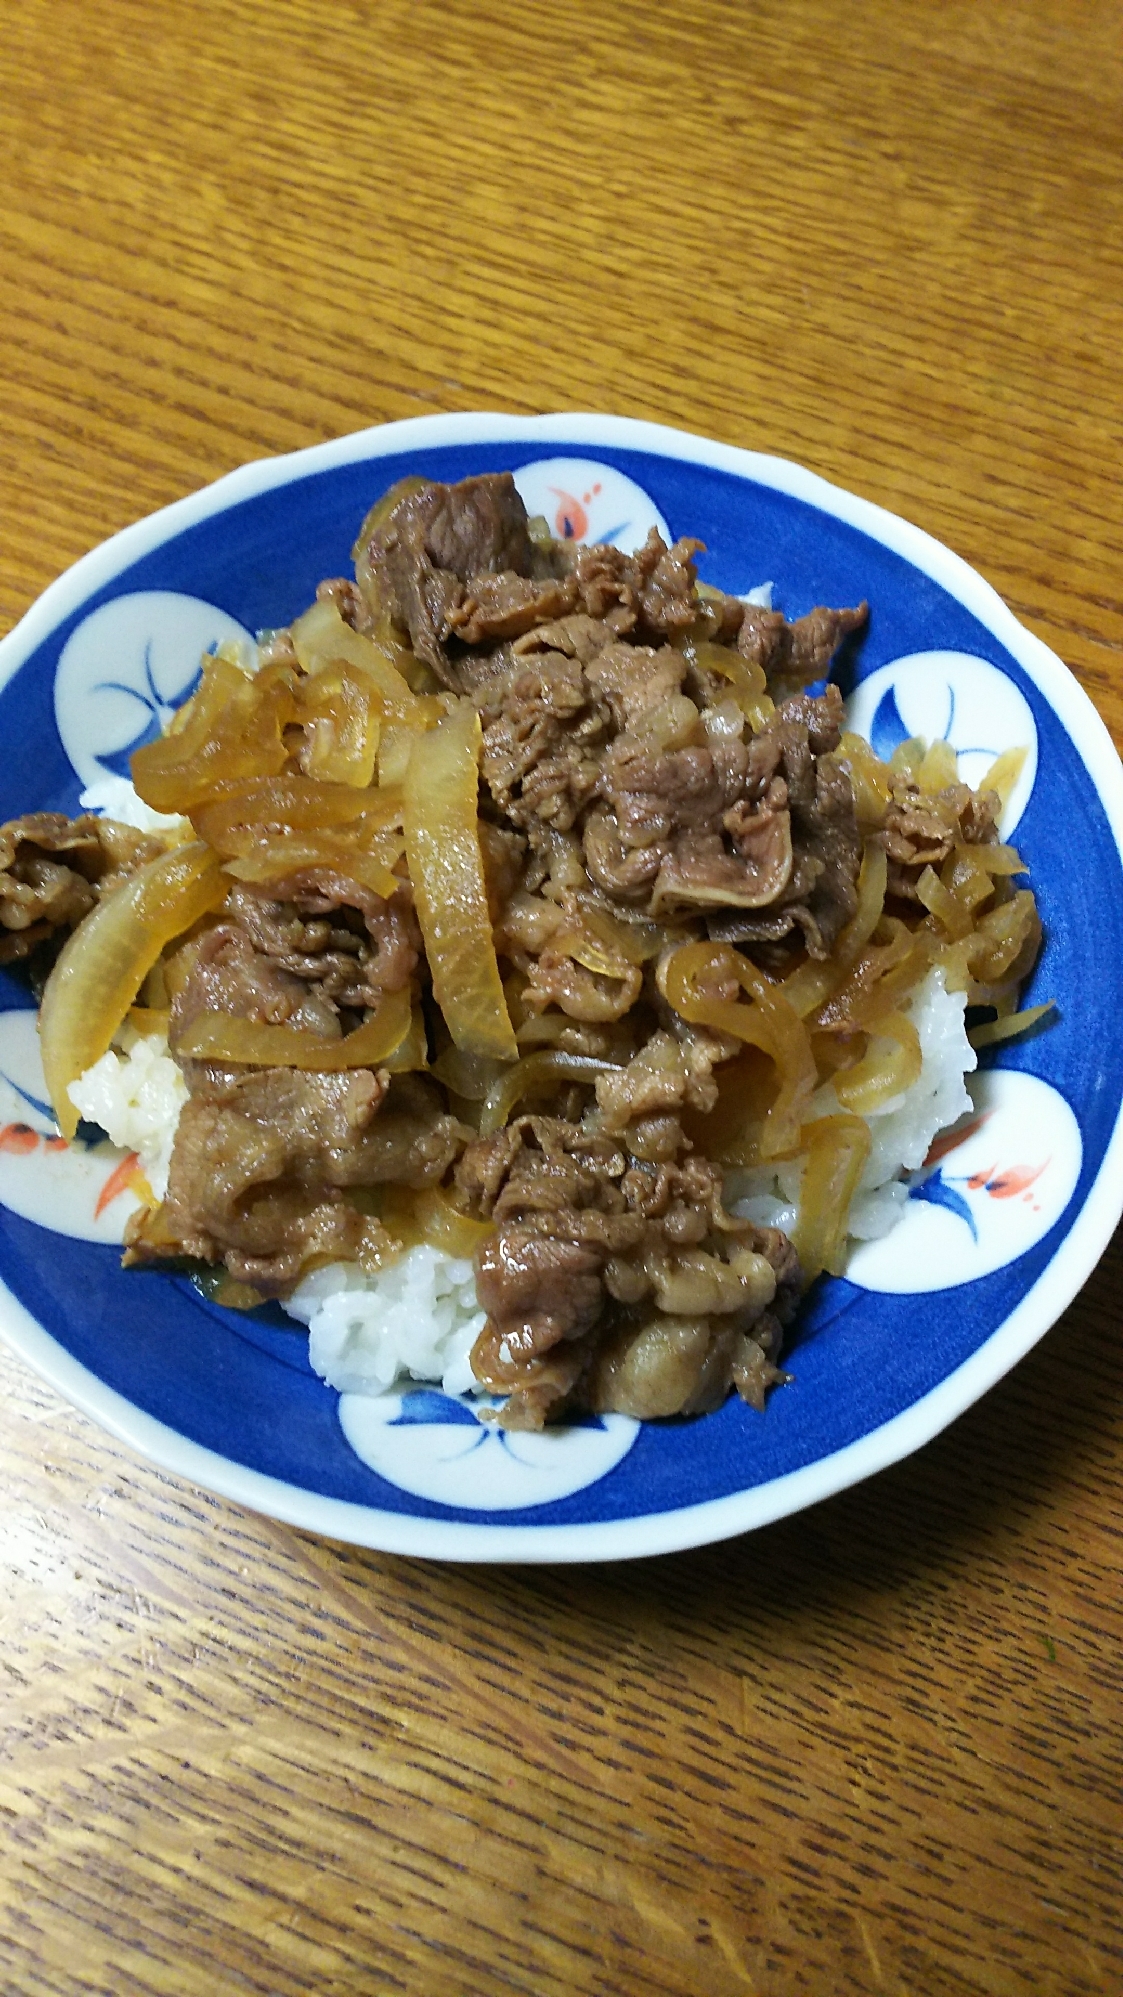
[(543, 733), (666, 1075), (262, 1160), (262, 1156), (441, 548), (636, 681), (763, 831), (329, 929), (53, 869), (820, 894), (591, 1237), (220, 971), (793, 655), (319, 944), (576, 636), (689, 825), (507, 606), (650, 593), (922, 827)]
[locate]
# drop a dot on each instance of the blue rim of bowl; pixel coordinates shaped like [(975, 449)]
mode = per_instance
[(693, 1524)]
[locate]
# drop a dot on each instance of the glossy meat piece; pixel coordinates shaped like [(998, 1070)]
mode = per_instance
[(262, 1158), (53, 869), (439, 546), (588, 1234)]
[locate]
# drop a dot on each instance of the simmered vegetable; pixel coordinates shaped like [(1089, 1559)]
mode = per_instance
[(105, 962), (446, 867)]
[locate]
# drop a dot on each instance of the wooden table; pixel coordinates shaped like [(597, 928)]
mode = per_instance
[(875, 1748)]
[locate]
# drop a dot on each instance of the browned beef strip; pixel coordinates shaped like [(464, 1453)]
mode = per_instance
[(222, 972), (262, 1158), (294, 958), (322, 926), (649, 594), (507, 606), (576, 635), (922, 827), (820, 895), (436, 550), (53, 869), (792, 655), (543, 731), (259, 1160), (762, 831), (635, 680), (590, 1236)]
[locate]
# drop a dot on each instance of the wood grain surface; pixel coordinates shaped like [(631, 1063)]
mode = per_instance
[(876, 1748)]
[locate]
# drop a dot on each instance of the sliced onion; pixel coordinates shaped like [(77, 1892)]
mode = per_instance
[(430, 1216), (223, 1036), (411, 1055), (809, 987), (276, 859), (883, 1072), (532, 1073), (837, 1149), (104, 963), (993, 1030), (1003, 774), (342, 714), (688, 982), (447, 871), (322, 638), (748, 680), (292, 803), (230, 730)]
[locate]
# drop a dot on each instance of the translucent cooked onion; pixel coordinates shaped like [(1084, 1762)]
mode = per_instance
[(430, 1216), (693, 982), (1003, 774), (276, 859), (811, 985), (750, 686), (937, 768), (471, 1076), (341, 713), (870, 779), (447, 871), (411, 1055), (621, 943), (991, 1031), (837, 1148), (1002, 937), (884, 1071), (322, 639), (223, 1036), (230, 730), (104, 963), (881, 977), (245, 812), (533, 1073)]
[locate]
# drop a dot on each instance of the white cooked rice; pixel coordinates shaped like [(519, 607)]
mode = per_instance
[(419, 1317), (136, 1095)]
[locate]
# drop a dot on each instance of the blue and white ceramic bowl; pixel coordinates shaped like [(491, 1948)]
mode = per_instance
[(1002, 1228)]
